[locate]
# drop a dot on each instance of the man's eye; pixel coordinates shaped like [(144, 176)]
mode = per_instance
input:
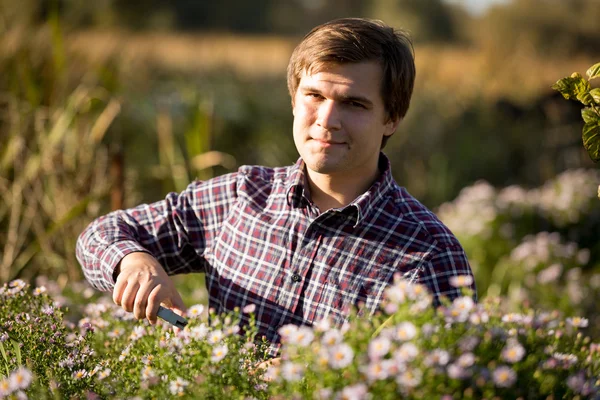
[(357, 104)]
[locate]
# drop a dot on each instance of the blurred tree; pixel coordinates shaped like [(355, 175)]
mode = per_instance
[(426, 20), (557, 27)]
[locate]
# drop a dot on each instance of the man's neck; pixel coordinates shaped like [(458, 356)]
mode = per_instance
[(335, 191)]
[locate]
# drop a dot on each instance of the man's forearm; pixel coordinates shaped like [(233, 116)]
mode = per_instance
[(102, 246)]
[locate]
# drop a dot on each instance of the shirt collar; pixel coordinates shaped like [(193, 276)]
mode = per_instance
[(295, 184), (366, 202), (358, 209)]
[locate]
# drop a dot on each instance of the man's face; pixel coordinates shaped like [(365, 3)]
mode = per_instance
[(339, 119)]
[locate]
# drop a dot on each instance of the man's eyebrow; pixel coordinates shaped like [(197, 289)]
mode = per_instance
[(360, 99)]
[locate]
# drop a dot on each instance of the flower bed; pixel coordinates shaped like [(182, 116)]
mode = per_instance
[(409, 350)]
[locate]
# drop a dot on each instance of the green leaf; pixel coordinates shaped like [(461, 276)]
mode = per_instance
[(594, 71), (7, 361), (591, 140), (595, 93), (574, 87), (590, 116)]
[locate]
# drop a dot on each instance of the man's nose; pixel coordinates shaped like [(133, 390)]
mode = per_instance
[(329, 117)]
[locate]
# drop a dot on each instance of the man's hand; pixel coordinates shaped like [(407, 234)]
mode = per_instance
[(142, 285)]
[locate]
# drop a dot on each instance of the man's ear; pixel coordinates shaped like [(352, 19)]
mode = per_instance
[(390, 126)]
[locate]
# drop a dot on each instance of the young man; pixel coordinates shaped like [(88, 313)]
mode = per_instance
[(302, 242)]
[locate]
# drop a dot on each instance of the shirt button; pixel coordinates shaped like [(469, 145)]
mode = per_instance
[(296, 278)]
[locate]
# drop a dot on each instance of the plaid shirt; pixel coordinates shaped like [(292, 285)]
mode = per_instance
[(260, 240)]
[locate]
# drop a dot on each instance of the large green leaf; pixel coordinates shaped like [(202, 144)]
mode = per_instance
[(594, 71), (591, 140), (574, 87), (595, 93), (590, 116)]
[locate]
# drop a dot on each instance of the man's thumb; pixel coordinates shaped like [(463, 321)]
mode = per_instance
[(176, 304)]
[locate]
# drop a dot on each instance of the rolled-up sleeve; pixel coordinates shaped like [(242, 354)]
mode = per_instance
[(176, 231)]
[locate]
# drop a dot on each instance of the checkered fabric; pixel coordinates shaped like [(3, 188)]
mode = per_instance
[(260, 240)]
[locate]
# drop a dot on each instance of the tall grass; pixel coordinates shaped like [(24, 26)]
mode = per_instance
[(53, 171)]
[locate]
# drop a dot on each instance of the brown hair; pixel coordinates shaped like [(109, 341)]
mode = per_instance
[(353, 40)]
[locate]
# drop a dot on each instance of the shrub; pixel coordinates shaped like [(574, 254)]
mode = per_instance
[(407, 349)]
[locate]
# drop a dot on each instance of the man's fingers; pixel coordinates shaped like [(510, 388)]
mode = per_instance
[(120, 285), (153, 303), (129, 295), (141, 300), (177, 304)]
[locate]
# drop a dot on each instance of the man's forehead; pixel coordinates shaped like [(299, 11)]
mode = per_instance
[(324, 66)]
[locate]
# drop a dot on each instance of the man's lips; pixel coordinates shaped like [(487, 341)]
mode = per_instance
[(327, 143)]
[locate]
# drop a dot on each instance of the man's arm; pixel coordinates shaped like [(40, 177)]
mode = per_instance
[(132, 252)]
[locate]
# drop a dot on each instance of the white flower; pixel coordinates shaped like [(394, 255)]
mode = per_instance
[(396, 294), (341, 356), (137, 333), (147, 359), (104, 374), (215, 336), (148, 373), (302, 336), (116, 332), (479, 317), (249, 308), (460, 309), (504, 376), (124, 353), (20, 379), (272, 373), (331, 337), (199, 332), (323, 394), (80, 374), (578, 322), (379, 347), (5, 388), (465, 360), (39, 290), (406, 353), (354, 392), (195, 311), (457, 372), (437, 357), (513, 352), (286, 330), (512, 318), (461, 281), (409, 378), (292, 372), (405, 331), (375, 371), (177, 387), (219, 353), (323, 325)]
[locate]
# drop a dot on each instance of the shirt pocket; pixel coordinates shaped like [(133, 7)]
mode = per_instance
[(363, 288)]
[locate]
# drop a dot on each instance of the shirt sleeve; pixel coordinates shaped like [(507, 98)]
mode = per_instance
[(176, 231), (446, 263)]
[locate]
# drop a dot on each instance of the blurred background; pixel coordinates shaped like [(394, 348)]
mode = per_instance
[(107, 104)]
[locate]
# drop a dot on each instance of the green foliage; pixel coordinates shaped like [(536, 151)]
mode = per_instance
[(576, 87), (34, 335), (408, 349)]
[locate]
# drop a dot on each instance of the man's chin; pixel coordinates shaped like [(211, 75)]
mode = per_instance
[(323, 166)]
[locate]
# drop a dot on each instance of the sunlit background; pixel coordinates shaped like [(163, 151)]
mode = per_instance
[(110, 103)]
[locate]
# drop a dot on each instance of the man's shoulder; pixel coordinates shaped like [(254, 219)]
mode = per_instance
[(415, 212), (259, 173)]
